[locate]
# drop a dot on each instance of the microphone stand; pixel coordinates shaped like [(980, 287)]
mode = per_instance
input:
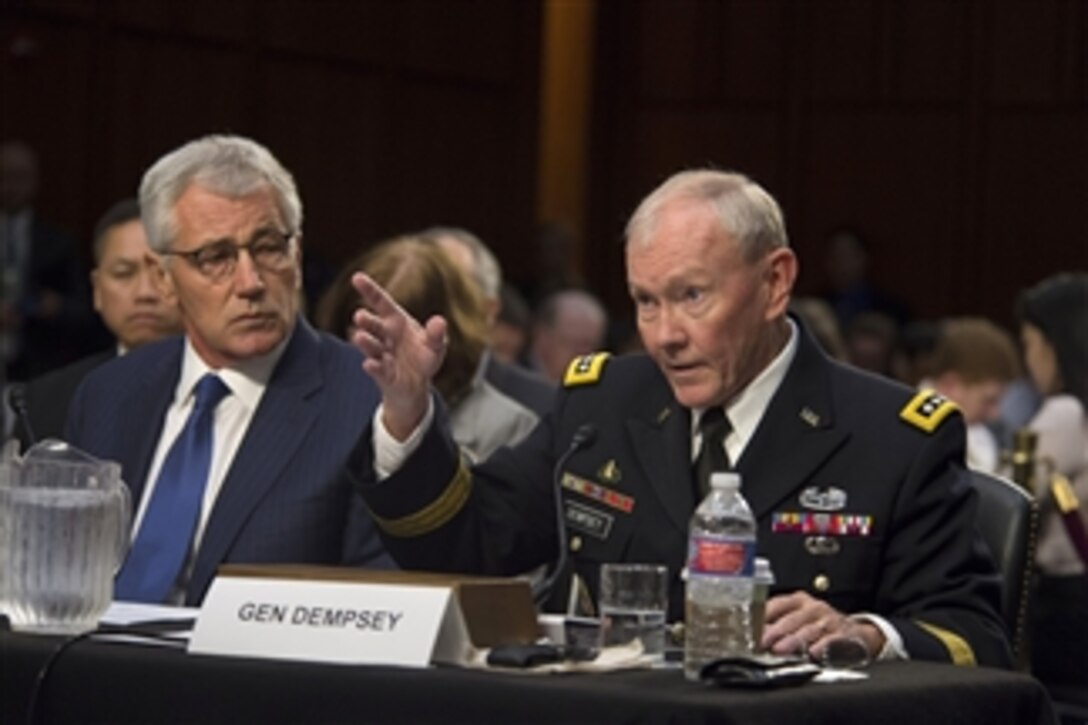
[(584, 436)]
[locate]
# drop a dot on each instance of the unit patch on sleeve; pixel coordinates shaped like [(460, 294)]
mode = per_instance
[(927, 410), (585, 370)]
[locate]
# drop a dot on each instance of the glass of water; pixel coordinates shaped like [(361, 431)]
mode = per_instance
[(633, 601)]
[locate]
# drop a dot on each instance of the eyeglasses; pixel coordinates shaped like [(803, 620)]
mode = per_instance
[(270, 250)]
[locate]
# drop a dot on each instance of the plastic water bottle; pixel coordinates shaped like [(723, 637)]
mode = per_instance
[(721, 553)]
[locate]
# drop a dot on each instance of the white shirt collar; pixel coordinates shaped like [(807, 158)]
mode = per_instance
[(246, 380), (747, 407)]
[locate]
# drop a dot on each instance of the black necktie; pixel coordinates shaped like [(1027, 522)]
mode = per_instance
[(712, 457)]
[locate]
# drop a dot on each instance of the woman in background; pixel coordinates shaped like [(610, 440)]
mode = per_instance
[(423, 280), (1053, 318)]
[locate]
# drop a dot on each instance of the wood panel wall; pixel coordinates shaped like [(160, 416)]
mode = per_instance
[(392, 114), (953, 135)]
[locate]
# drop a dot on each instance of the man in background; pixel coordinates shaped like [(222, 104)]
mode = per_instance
[(568, 323), (474, 257), (232, 438), (133, 299), (43, 312), (972, 363)]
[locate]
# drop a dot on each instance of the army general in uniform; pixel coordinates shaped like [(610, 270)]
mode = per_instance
[(857, 483)]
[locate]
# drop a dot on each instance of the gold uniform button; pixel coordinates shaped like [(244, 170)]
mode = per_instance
[(575, 543), (821, 583)]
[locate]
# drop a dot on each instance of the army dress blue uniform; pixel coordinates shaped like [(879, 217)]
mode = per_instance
[(857, 485)]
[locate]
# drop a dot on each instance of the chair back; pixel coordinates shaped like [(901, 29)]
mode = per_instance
[(1007, 518)]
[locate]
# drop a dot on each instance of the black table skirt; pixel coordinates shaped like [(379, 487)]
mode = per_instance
[(110, 682)]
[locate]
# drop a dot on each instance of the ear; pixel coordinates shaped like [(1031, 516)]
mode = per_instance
[(779, 274)]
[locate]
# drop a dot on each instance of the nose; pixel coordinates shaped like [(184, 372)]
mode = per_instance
[(147, 285), (247, 278), (668, 332)]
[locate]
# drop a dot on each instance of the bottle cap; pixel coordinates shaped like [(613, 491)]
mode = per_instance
[(724, 480), (763, 573)]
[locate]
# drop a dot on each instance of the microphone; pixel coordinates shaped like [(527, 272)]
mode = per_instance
[(17, 401), (584, 436)]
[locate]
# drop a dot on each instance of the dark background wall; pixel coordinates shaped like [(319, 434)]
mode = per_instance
[(391, 115), (952, 135)]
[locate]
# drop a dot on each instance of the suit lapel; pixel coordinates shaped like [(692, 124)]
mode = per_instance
[(660, 432), (796, 434), (285, 414)]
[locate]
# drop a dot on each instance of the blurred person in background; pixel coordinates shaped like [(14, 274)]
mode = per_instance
[(424, 281), (1053, 317), (43, 309), (851, 290), (822, 323), (567, 324), (871, 342), (474, 258), (912, 358), (972, 362), (132, 296), (513, 328)]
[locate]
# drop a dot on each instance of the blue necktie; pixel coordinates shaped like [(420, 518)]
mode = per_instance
[(162, 544)]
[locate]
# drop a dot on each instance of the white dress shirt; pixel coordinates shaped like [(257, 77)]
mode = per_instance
[(247, 382)]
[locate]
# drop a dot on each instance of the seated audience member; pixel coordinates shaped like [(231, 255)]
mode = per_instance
[(133, 300), (44, 314), (852, 291), (424, 281), (729, 376), (513, 328), (972, 362), (871, 341), (912, 358), (232, 437), (1053, 319), (820, 319), (477, 261), (568, 323)]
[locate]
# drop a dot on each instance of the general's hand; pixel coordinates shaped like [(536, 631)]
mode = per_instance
[(401, 355), (799, 621)]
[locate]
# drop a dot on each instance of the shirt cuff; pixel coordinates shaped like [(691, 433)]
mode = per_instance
[(893, 648), (389, 453)]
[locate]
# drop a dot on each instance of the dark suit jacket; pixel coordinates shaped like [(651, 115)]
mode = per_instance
[(48, 397), (524, 386), (828, 425), (285, 498)]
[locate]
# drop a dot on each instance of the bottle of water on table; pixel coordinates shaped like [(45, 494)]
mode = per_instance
[(721, 553)]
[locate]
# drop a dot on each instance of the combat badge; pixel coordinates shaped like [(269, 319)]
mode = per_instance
[(585, 370), (823, 499), (927, 410)]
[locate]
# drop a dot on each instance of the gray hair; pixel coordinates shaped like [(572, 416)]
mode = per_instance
[(486, 270), (747, 212), (232, 166)]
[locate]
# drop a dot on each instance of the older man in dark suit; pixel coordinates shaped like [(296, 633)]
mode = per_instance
[(233, 437)]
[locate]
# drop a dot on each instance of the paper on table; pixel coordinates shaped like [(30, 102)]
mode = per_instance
[(134, 612)]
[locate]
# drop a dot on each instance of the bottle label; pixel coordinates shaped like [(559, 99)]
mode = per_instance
[(721, 556)]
